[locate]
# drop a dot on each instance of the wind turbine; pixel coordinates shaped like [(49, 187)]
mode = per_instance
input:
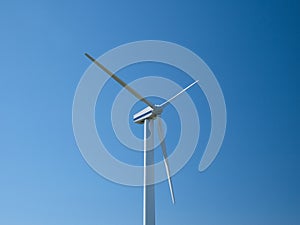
[(147, 117)]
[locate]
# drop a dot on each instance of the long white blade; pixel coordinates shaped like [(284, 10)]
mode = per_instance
[(175, 96), (131, 90), (164, 151)]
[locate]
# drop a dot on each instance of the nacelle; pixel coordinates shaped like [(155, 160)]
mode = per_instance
[(146, 113)]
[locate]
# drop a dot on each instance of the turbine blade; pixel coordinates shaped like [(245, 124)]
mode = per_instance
[(131, 90), (175, 96), (164, 151)]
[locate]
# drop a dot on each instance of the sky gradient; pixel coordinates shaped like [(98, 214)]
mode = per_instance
[(253, 49)]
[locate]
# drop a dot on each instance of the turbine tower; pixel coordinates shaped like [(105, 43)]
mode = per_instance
[(147, 117)]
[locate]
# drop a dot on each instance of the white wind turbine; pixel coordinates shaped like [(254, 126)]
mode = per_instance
[(146, 117)]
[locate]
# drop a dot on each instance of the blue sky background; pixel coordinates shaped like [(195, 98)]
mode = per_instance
[(253, 49)]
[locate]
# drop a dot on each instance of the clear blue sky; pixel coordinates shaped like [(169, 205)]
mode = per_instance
[(253, 49)]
